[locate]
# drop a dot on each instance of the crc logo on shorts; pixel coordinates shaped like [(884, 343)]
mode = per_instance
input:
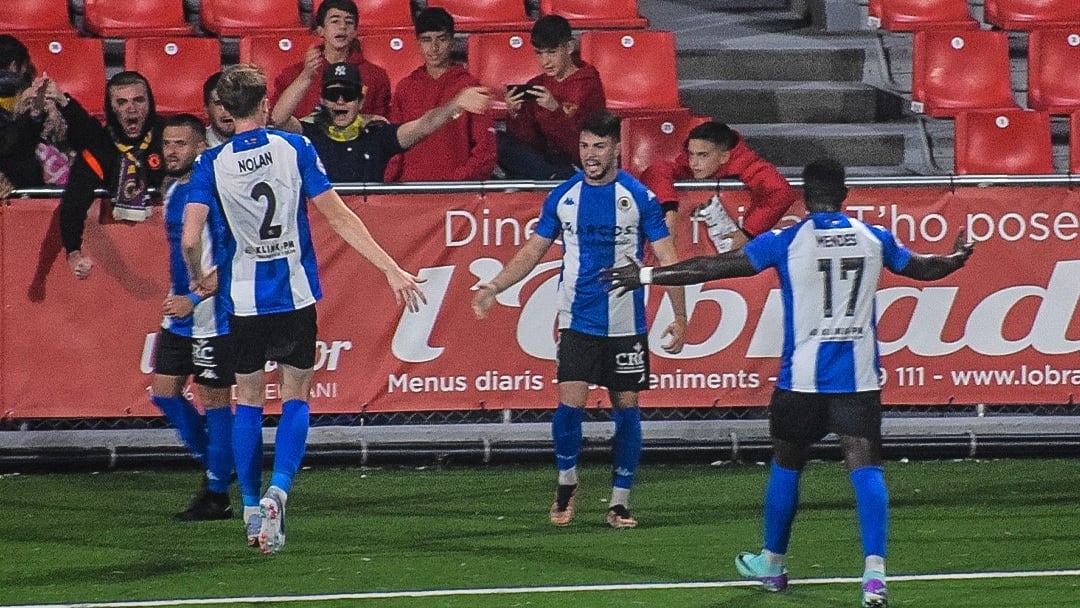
[(623, 203), (202, 353), (632, 362)]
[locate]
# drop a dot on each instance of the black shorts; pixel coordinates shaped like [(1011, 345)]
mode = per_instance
[(285, 337), (208, 360), (620, 363), (808, 417)]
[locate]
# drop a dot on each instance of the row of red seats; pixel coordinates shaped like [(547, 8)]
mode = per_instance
[(1010, 142), (637, 67), (1017, 15), (127, 18), (954, 71)]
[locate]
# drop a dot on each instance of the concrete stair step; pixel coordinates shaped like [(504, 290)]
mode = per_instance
[(794, 145), (757, 101), (820, 64)]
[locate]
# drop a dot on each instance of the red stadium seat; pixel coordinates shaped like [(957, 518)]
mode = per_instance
[(589, 14), (21, 17), (498, 59), (76, 64), (232, 18), (275, 52), (124, 18), (648, 139), (176, 69), (1054, 70), (486, 15), (1031, 14), (1074, 143), (917, 15), (956, 71), (399, 55), (637, 69), (381, 16), (1014, 142)]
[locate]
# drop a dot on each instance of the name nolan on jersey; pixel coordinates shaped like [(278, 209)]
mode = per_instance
[(247, 165)]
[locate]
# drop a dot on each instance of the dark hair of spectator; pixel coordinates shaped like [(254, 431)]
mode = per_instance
[(550, 31), (342, 5), (12, 51), (209, 86), (603, 124), (823, 185), (241, 89), (718, 133), (190, 121), (434, 19)]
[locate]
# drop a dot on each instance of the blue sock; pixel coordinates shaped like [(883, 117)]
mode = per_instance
[(626, 445), (188, 422), (248, 452), (566, 435), (781, 502), (872, 502), (290, 442), (219, 455)]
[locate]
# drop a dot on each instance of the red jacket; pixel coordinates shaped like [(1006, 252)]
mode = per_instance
[(461, 150), (373, 77), (770, 193), (555, 134)]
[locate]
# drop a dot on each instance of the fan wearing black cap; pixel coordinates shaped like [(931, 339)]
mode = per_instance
[(355, 147)]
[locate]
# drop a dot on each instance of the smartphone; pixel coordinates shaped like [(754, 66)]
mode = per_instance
[(517, 89)]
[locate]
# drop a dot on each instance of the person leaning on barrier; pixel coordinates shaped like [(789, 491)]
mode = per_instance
[(123, 156), (716, 151), (357, 148), (828, 265)]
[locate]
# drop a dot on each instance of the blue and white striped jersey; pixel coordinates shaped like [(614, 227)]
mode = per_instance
[(601, 226), (261, 179), (829, 265), (210, 318)]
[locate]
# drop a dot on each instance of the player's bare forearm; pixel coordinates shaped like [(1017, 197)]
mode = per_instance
[(666, 254), (191, 244), (352, 230), (522, 263), (704, 268), (924, 267)]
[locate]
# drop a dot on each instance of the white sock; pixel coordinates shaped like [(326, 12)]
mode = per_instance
[(875, 563), (620, 496), (568, 477), (778, 560)]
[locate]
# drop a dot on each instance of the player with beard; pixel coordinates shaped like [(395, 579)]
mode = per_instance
[(355, 147), (603, 215), (194, 338), (123, 156)]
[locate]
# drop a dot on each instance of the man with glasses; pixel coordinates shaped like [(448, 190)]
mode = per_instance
[(355, 147)]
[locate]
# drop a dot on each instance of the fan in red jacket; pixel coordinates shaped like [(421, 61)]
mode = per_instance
[(335, 23), (462, 150), (715, 151)]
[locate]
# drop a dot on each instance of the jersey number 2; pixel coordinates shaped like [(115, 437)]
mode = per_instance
[(267, 230), (825, 266)]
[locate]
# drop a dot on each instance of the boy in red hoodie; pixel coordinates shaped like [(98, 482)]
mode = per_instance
[(541, 138), (715, 151), (464, 149)]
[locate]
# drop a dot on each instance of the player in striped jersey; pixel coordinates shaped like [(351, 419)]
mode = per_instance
[(602, 215), (828, 266), (194, 339), (260, 182)]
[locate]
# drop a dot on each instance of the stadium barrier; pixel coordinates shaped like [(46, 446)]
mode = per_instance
[(1003, 330)]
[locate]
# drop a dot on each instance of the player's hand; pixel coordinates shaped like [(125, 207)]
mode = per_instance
[(406, 288), (177, 307), (625, 278), (962, 248), (677, 331), (484, 299), (475, 100), (79, 264), (207, 286)]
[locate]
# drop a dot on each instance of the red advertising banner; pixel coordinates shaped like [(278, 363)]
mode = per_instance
[(1004, 329)]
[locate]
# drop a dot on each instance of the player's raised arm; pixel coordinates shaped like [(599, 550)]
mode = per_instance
[(925, 267), (520, 265)]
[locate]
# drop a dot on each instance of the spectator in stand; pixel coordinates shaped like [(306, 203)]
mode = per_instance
[(356, 148), (123, 156), (221, 127), (21, 122), (540, 141), (464, 150), (335, 22), (715, 151)]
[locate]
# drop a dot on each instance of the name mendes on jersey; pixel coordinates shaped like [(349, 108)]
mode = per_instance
[(837, 240), (251, 163)]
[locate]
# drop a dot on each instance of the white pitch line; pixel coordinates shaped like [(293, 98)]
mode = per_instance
[(374, 595)]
